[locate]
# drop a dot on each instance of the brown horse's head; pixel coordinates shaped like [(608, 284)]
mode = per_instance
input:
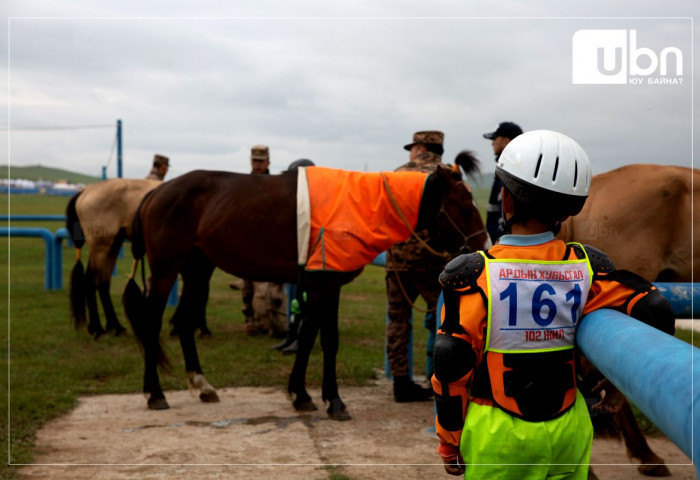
[(449, 212)]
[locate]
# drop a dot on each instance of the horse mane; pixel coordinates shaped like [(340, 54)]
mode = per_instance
[(467, 160)]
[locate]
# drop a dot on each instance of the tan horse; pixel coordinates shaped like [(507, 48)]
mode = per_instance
[(100, 216), (641, 216)]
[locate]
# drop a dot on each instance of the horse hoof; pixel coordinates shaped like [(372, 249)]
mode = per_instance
[(158, 404), (338, 411), (118, 330), (209, 397), (98, 335), (654, 470), (304, 406), (205, 334)]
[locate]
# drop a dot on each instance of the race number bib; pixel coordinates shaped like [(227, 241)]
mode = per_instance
[(535, 306)]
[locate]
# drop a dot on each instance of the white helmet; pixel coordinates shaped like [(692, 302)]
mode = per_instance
[(546, 169)]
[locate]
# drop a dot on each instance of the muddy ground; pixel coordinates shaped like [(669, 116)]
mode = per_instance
[(255, 433)]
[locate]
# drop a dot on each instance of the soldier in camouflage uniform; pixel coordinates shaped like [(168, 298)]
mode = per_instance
[(412, 271), (160, 168), (264, 303)]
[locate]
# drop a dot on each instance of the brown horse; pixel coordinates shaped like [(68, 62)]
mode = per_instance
[(247, 226), (640, 216), (101, 216)]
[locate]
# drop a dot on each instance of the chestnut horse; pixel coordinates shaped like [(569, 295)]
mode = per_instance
[(640, 216), (100, 215), (247, 226)]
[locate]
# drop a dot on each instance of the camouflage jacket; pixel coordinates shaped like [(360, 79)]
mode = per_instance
[(410, 255)]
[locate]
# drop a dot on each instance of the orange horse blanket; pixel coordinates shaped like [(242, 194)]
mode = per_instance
[(353, 217)]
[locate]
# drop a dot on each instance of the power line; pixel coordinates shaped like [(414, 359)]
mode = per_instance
[(57, 127)]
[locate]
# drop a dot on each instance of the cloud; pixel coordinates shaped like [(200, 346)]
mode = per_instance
[(345, 92)]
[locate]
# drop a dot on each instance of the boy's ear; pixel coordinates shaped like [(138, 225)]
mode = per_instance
[(506, 201)]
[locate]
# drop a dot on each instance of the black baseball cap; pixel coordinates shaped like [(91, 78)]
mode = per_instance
[(505, 129)]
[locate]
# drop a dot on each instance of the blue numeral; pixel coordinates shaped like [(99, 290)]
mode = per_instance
[(512, 292), (538, 302), (574, 293)]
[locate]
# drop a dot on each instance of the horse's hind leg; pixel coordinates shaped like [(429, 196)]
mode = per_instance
[(151, 323), (637, 446), (108, 262), (94, 327), (196, 274), (113, 324)]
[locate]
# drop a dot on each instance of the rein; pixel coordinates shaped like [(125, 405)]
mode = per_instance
[(403, 218), (405, 296), (454, 225)]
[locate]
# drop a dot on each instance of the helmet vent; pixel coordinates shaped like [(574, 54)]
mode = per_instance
[(556, 167), (537, 168), (575, 172)]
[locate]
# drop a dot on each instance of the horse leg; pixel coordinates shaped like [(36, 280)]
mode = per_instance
[(113, 324), (94, 327), (329, 343), (153, 353), (637, 446), (297, 379), (108, 261), (196, 274)]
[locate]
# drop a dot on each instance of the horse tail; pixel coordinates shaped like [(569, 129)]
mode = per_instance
[(75, 230), (469, 163), (135, 301), (138, 246), (77, 292)]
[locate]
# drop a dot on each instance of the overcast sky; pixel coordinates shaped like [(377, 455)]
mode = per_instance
[(345, 84)]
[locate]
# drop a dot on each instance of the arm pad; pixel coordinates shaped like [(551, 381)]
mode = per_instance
[(453, 358), (655, 310)]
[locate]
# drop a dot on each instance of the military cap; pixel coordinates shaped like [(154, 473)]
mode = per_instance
[(159, 160), (260, 152), (428, 137)]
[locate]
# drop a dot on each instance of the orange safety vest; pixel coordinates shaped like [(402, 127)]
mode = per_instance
[(357, 215)]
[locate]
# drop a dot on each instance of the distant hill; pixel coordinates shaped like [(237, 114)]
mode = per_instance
[(37, 172)]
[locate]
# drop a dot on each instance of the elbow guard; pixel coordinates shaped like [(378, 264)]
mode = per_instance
[(600, 262), (453, 358), (655, 310)]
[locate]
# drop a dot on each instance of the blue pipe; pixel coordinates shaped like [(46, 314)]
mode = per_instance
[(48, 250), (31, 218), (683, 297), (59, 235), (654, 370)]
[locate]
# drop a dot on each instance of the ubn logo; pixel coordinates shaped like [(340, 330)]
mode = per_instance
[(612, 57)]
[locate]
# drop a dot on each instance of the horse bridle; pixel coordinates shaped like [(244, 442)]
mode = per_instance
[(456, 227), (423, 243)]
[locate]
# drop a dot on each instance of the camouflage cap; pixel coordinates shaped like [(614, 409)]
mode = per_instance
[(260, 152), (428, 137), (159, 160)]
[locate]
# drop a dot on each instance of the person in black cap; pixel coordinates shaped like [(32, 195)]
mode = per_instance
[(501, 137)]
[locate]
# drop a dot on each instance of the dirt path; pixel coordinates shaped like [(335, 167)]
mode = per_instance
[(254, 433)]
